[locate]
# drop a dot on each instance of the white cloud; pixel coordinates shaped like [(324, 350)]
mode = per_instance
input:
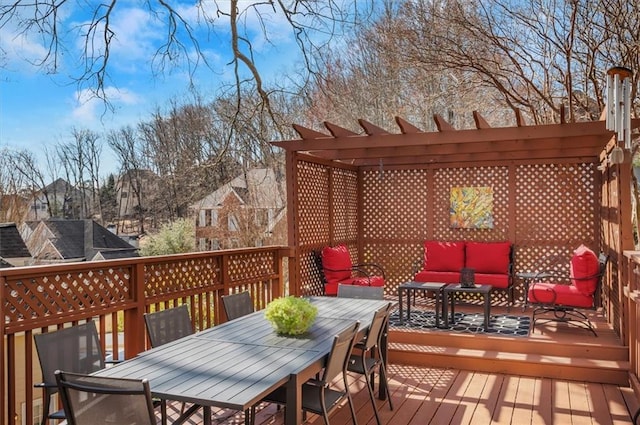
[(20, 49), (89, 108)]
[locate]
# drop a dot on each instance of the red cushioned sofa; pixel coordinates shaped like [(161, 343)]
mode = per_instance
[(492, 263), (338, 269)]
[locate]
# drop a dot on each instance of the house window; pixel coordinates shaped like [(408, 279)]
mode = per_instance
[(233, 223), (202, 244), (262, 217), (214, 217), (202, 219), (215, 244)]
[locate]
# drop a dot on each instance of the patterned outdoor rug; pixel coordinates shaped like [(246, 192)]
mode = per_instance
[(499, 324)]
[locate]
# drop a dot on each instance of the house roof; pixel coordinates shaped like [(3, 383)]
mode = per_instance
[(85, 239), (258, 187), (374, 146), (60, 186), (11, 243)]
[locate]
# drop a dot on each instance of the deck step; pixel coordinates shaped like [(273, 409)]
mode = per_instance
[(592, 362)]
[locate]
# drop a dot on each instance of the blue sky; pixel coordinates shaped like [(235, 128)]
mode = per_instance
[(38, 110)]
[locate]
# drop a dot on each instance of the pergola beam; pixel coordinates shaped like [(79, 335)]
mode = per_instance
[(592, 144), (564, 141), (532, 133)]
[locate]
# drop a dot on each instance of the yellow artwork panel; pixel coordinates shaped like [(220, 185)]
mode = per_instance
[(471, 207)]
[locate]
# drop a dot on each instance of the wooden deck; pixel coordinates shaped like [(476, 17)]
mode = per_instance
[(437, 396), (556, 375)]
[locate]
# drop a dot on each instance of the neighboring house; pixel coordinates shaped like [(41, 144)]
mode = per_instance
[(13, 207), (133, 190), (61, 241), (58, 199), (250, 210), (13, 250)]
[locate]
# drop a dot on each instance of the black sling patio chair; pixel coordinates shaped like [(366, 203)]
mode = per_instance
[(167, 325), (367, 356), (319, 396), (73, 349), (362, 292), (94, 400), (237, 305)]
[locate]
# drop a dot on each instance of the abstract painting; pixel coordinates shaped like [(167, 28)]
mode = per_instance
[(471, 207)]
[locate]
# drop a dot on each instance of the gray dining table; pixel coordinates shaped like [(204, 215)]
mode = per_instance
[(236, 364)]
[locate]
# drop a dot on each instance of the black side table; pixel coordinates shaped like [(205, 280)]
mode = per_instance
[(450, 295), (408, 287)]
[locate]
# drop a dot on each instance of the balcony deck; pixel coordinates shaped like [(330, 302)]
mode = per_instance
[(423, 395), (476, 387)]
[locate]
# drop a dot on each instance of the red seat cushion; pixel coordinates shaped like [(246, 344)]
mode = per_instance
[(331, 288), (336, 262), (565, 295), (488, 257), (443, 256), (584, 270), (496, 280), (365, 281), (442, 277)]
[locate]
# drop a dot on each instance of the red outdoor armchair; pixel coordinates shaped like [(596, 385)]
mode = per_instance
[(338, 268), (562, 302)]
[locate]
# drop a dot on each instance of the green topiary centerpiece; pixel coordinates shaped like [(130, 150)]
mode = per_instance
[(291, 315)]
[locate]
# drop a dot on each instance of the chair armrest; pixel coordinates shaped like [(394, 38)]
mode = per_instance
[(362, 268), (44, 385)]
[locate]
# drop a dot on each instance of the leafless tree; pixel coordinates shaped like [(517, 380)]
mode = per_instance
[(29, 178), (534, 55), (187, 34), (80, 159), (13, 205), (134, 161)]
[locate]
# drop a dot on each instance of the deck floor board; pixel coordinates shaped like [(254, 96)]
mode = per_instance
[(435, 396)]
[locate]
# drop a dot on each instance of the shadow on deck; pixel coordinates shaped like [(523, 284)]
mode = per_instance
[(555, 375)]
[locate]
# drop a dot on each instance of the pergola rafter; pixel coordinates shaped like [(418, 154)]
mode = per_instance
[(583, 141)]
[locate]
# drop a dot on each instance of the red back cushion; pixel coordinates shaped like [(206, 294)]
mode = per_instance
[(338, 260), (584, 264), (489, 257), (443, 256)]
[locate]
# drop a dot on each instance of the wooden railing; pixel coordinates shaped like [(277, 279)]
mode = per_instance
[(116, 294), (631, 315)]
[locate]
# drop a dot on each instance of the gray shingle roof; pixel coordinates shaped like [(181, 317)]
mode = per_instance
[(11, 243), (85, 238)]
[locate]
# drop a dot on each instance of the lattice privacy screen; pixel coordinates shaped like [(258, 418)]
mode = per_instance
[(384, 215)]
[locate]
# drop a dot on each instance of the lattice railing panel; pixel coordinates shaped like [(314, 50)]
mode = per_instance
[(395, 204), (313, 203), (310, 270), (345, 204), (447, 178), (170, 277), (251, 266), (555, 202), (42, 297)]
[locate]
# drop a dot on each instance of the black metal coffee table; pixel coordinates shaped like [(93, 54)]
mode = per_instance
[(408, 287), (450, 296)]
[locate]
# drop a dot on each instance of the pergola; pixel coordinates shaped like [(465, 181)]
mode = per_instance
[(383, 193), (412, 146)]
